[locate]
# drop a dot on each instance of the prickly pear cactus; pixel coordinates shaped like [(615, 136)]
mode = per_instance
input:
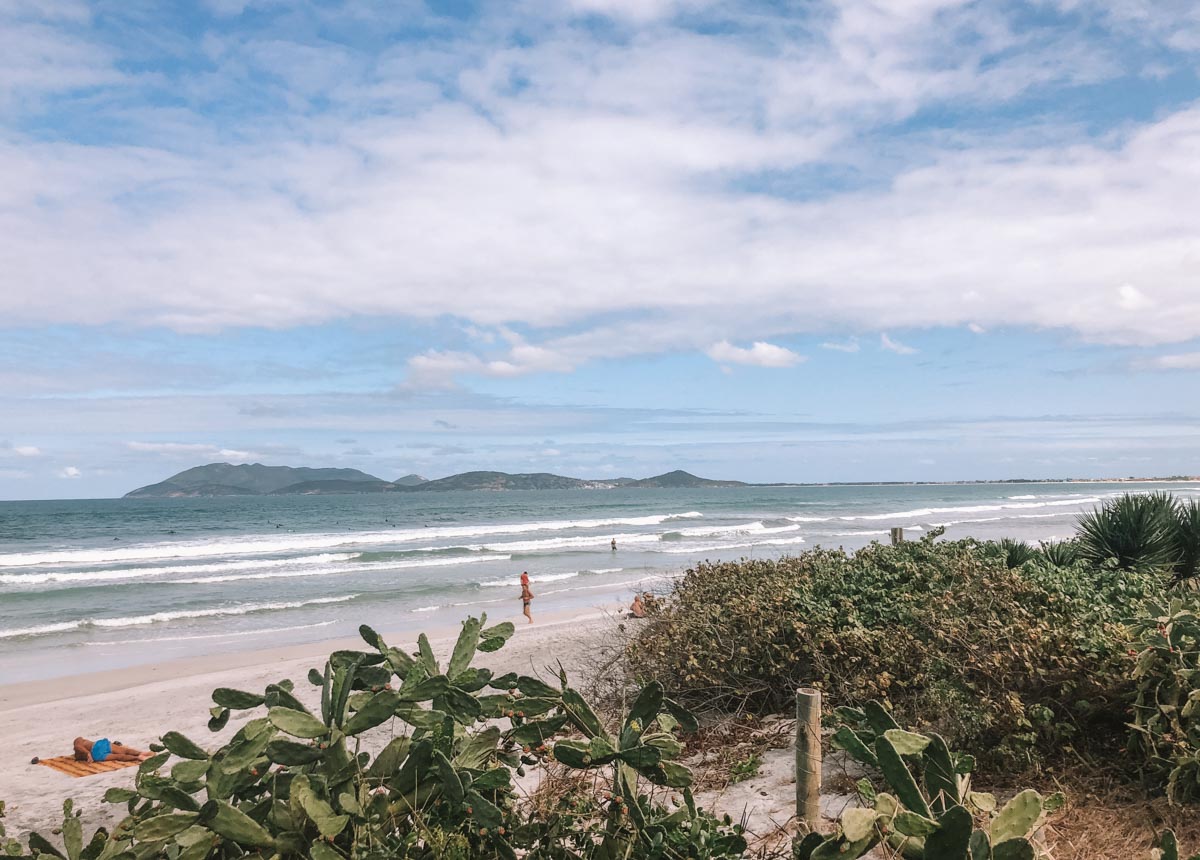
[(930, 811), (292, 782)]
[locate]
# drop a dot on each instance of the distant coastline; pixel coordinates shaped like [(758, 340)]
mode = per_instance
[(226, 479)]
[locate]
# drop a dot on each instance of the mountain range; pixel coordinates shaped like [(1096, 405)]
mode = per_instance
[(255, 479)]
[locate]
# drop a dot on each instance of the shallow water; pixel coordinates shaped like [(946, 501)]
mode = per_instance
[(88, 585)]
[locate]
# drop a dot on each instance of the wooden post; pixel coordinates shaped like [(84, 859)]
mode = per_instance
[(808, 757), (897, 536)]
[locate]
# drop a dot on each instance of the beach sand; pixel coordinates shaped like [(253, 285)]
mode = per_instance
[(137, 705)]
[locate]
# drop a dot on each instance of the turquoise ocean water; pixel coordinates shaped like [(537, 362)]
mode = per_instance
[(92, 585)]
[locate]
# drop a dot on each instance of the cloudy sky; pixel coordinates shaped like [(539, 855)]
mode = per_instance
[(821, 240)]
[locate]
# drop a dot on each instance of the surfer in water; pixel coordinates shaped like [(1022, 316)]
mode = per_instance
[(526, 595)]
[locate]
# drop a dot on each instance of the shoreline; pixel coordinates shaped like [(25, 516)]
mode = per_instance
[(138, 705), (24, 694)]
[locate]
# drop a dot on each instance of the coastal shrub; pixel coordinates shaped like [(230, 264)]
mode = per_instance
[(1187, 539), (923, 808), (1166, 714), (1149, 530), (296, 783), (1013, 663), (1060, 553), (1017, 552)]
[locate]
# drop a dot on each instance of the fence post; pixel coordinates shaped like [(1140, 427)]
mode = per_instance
[(897, 536), (808, 756)]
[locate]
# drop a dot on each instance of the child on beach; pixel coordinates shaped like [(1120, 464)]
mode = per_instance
[(526, 595)]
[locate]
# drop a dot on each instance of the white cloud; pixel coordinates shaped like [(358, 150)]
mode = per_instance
[(759, 354), (895, 346), (637, 10), (1131, 298), (1179, 361), (70, 472), (19, 450), (850, 345), (976, 328), (437, 368), (193, 450), (608, 186)]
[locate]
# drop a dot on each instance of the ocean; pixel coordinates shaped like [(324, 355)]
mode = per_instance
[(109, 583)]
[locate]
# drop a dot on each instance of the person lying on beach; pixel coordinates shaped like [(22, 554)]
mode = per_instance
[(106, 750), (526, 595)]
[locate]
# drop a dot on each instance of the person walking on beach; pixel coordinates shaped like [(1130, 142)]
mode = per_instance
[(526, 595)]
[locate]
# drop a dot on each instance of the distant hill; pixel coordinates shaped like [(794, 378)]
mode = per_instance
[(680, 479), (225, 479), (506, 481), (247, 479), (336, 486)]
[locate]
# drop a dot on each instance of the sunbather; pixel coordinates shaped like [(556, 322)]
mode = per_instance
[(106, 750)]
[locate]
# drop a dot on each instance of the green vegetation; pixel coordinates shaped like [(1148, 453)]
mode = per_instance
[(746, 768), (1153, 530), (1010, 662), (1085, 650), (1017, 552), (252, 479), (294, 783), (929, 811), (1166, 713)]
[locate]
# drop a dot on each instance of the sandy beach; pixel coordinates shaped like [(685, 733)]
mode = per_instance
[(139, 704)]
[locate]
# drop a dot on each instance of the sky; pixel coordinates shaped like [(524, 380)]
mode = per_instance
[(832, 240)]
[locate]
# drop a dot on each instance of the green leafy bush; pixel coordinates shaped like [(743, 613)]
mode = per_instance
[(1166, 713), (1010, 662), (294, 783), (928, 811)]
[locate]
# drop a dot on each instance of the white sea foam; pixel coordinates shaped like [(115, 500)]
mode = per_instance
[(274, 543), (124, 573), (754, 528), (693, 550), (599, 542), (612, 585), (426, 608), (160, 617), (948, 523), (344, 569), (972, 509), (258, 631), (515, 582)]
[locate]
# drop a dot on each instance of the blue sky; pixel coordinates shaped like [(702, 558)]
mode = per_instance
[(837, 240)]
